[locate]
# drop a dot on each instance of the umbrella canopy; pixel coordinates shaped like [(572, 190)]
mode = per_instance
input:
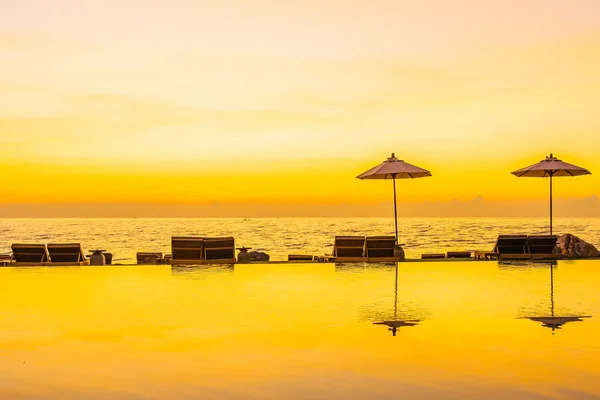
[(548, 168), (393, 169)]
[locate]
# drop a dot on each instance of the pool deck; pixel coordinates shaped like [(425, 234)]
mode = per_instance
[(408, 260)]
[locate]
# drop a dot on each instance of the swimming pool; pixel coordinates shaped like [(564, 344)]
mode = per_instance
[(299, 331)]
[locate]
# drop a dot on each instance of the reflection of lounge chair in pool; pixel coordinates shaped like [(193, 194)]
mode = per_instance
[(30, 254), (187, 250), (219, 250), (67, 254), (541, 247), (380, 249), (349, 248)]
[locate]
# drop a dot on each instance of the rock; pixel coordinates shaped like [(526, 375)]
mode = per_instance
[(259, 256), (571, 246), (245, 256), (399, 252)]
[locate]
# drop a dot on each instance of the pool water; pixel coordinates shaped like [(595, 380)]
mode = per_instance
[(301, 331)]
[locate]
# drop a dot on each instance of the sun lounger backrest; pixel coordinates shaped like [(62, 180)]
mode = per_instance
[(65, 252), (187, 248), (541, 244), (349, 246), (511, 244), (380, 246), (30, 253), (219, 248)]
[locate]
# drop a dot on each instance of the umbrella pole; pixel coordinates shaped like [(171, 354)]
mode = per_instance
[(395, 211), (551, 203)]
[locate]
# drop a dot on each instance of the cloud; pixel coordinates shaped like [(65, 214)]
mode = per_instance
[(13, 40), (34, 41), (477, 207), (148, 130)]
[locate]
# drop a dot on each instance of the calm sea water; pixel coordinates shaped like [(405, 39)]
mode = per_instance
[(282, 236), (300, 331)]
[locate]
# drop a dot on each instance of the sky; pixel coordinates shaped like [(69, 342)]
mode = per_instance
[(263, 105)]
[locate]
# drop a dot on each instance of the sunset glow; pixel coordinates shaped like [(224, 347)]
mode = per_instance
[(277, 102)]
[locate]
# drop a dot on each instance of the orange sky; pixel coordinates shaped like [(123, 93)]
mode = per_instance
[(278, 102)]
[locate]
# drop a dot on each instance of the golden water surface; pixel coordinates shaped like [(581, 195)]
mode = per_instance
[(300, 331)]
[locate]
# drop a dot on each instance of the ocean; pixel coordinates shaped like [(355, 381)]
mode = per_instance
[(279, 237)]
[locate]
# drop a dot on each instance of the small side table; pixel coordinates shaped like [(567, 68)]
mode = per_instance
[(485, 255), (243, 255)]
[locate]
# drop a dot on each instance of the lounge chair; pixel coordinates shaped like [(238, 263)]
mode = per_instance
[(349, 248), (66, 254), (219, 250), (148, 258), (541, 247), (432, 256), (511, 247), (31, 254), (380, 249), (302, 257), (187, 250), (458, 254)]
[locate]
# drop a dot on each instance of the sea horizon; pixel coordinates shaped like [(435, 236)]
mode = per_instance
[(279, 237)]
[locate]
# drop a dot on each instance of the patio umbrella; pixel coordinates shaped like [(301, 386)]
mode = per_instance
[(393, 169), (550, 167), (553, 321)]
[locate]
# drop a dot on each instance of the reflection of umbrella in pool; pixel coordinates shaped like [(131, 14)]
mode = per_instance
[(395, 323), (549, 167), (553, 321), (393, 169)]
